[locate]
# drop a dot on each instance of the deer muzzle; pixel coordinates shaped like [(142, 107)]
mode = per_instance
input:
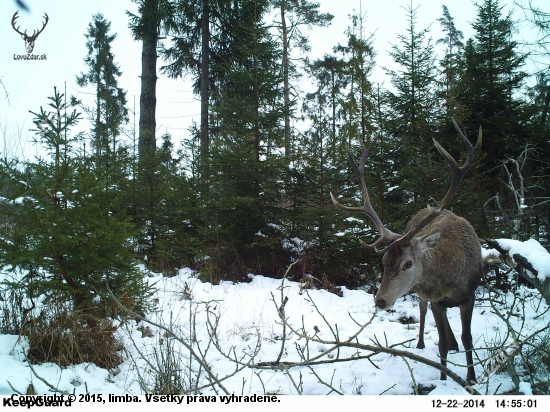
[(383, 304)]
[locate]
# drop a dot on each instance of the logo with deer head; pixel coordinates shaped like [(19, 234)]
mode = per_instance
[(29, 40)]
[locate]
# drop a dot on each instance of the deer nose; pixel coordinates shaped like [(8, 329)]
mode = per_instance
[(380, 303)]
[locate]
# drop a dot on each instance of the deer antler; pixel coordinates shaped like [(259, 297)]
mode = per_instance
[(43, 26), (35, 33), (386, 235), (458, 174), (15, 16)]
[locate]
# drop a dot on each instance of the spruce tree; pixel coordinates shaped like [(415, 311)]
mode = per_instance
[(491, 80), (198, 33), (357, 107), (245, 182), (69, 244), (110, 111), (147, 25), (540, 19), (320, 164), (488, 96), (332, 77), (359, 121), (412, 112), (450, 62)]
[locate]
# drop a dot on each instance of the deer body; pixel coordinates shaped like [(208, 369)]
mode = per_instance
[(450, 272), (438, 257)]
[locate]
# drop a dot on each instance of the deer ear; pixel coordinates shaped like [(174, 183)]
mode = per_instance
[(429, 241), (432, 240)]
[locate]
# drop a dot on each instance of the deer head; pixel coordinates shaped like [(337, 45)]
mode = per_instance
[(29, 40), (404, 255)]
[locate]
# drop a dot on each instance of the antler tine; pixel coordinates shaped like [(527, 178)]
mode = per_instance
[(458, 174), (15, 16), (35, 33), (473, 152), (385, 234), (44, 25), (360, 170)]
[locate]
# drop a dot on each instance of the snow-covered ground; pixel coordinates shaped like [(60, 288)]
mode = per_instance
[(249, 326), (249, 330)]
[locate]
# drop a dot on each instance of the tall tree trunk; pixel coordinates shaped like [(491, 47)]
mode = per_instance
[(98, 131), (205, 74), (286, 87), (147, 117), (545, 108), (256, 119), (333, 98), (148, 97)]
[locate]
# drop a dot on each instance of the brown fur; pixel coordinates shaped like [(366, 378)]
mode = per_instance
[(453, 269), (445, 270)]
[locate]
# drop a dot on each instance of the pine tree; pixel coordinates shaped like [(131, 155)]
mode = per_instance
[(294, 15), (332, 78)]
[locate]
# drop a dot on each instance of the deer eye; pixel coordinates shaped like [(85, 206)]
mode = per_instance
[(407, 265)]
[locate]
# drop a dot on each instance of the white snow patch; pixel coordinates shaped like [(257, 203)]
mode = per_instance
[(532, 251)]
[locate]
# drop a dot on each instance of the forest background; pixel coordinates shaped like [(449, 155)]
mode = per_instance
[(245, 187)]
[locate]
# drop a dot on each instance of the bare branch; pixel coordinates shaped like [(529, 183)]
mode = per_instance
[(171, 333)]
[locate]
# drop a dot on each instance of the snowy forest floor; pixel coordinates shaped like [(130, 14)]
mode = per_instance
[(234, 328)]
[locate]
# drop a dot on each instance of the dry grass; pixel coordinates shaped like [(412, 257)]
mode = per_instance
[(68, 338)]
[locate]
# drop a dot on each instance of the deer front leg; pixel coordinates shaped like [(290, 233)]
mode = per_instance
[(466, 310), (440, 317), (423, 305)]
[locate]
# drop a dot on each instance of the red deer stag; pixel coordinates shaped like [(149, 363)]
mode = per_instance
[(438, 257)]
